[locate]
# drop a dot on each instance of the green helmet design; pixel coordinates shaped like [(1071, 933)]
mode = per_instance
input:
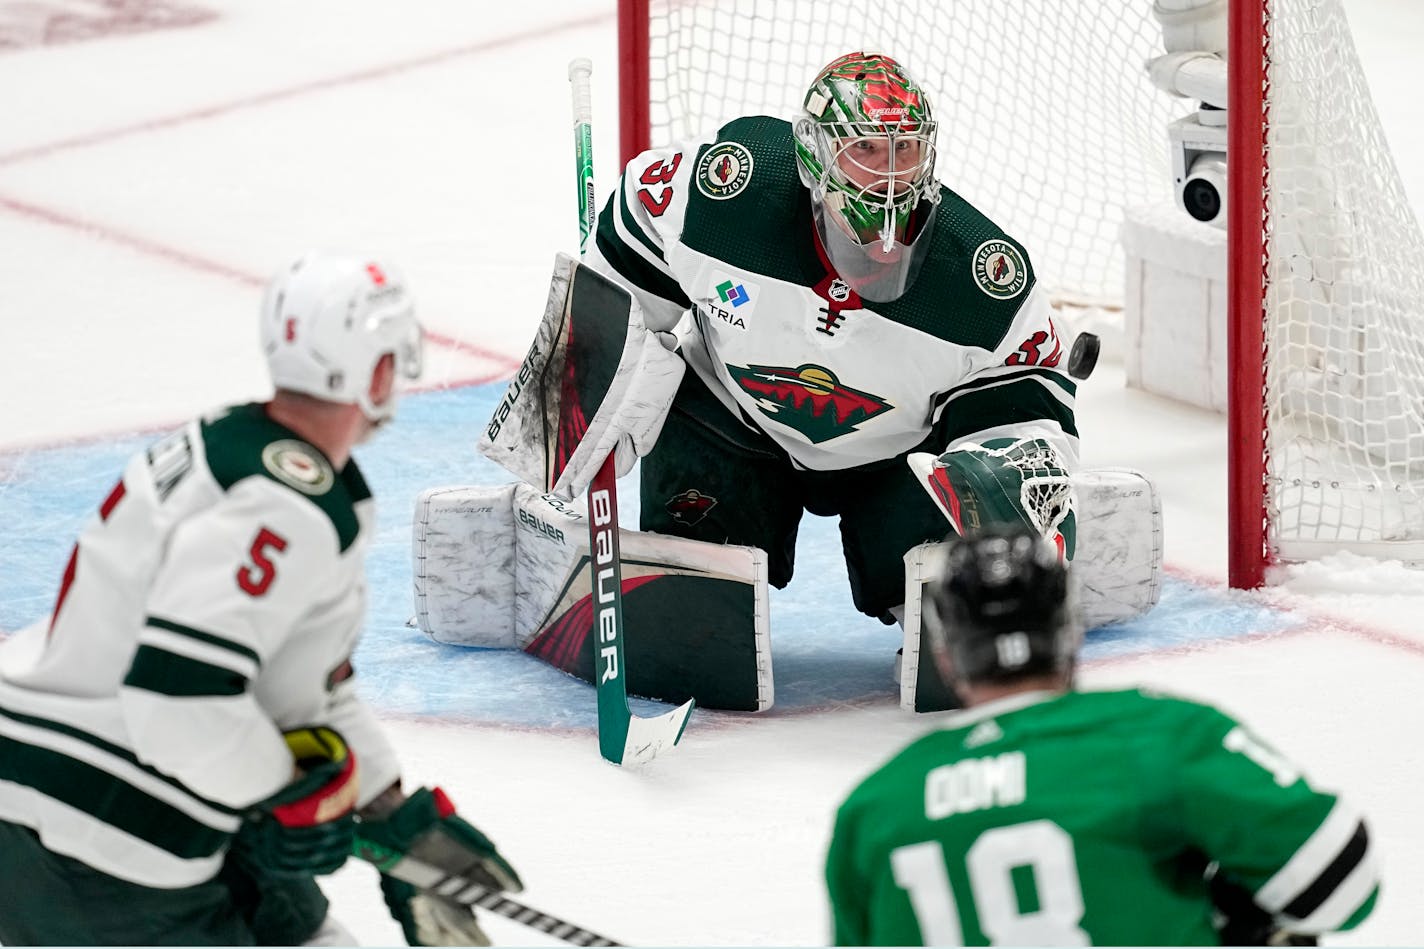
[(860, 99)]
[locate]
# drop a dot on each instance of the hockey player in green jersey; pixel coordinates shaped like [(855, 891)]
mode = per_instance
[(181, 745), (839, 310), (1045, 816)]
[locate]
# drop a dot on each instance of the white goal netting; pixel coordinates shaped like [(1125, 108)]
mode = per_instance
[(1049, 124), (1050, 130), (1344, 305)]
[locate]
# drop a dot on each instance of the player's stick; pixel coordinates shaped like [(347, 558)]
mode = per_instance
[(457, 889), (623, 737)]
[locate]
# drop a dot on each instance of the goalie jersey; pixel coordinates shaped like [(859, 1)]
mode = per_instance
[(1088, 819), (715, 238), (213, 601)]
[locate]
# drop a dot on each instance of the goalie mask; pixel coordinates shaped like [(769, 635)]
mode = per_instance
[(327, 321), (865, 147), (1002, 609)]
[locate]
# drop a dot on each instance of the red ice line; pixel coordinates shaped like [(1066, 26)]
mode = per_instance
[(319, 85), (505, 364)]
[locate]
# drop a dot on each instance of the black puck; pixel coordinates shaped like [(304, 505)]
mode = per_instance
[(1084, 355)]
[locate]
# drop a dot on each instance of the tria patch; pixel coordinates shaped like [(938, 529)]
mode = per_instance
[(999, 269), (724, 170), (297, 465), (809, 399)]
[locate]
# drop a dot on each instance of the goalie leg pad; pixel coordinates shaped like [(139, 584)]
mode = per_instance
[(1117, 575), (507, 567)]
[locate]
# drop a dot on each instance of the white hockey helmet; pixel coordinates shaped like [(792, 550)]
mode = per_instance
[(328, 319)]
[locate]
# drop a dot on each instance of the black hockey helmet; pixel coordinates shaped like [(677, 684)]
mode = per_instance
[(1002, 608)]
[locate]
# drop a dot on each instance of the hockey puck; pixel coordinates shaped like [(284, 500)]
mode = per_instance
[(1084, 355)]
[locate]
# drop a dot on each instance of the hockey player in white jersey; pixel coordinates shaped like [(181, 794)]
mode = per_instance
[(181, 745), (842, 313)]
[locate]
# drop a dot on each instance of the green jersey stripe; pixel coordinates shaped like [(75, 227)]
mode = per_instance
[(168, 673), (634, 269), (209, 638), (1022, 401), (117, 751), (1364, 909), (631, 225), (105, 797), (1047, 375)]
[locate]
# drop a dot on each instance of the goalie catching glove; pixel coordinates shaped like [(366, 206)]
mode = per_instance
[(1002, 481), (428, 856), (307, 827)]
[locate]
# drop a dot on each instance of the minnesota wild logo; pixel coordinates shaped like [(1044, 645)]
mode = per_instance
[(808, 398)]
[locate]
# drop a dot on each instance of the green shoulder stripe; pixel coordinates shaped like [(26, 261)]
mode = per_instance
[(244, 442)]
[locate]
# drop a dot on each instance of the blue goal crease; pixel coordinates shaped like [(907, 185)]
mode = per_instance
[(824, 652)]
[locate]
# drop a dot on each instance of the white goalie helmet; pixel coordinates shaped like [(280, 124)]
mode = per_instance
[(328, 319)]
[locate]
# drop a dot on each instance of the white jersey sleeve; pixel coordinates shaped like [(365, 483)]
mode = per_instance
[(1020, 389), (640, 226)]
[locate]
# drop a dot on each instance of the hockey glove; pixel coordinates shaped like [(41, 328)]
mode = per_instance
[(310, 825), (1240, 922), (425, 841), (428, 919), (1003, 481)]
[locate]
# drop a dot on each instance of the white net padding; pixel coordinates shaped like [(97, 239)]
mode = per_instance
[(1344, 305), (1047, 121)]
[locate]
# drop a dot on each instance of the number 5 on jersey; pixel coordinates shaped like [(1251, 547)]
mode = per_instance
[(256, 575)]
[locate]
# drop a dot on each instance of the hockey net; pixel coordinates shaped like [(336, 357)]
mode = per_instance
[(1048, 123), (1341, 302)]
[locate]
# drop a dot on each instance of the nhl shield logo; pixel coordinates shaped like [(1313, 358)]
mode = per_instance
[(724, 170), (999, 269)]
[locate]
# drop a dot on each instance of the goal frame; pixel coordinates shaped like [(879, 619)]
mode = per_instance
[(1249, 543), (1248, 180)]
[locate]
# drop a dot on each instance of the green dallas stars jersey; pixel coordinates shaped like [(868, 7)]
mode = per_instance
[(213, 601), (715, 238), (1087, 819)]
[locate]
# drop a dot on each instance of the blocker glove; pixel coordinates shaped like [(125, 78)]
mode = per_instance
[(309, 826), (424, 839)]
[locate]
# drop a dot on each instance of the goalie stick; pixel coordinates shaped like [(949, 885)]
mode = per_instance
[(623, 738), (458, 889)]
